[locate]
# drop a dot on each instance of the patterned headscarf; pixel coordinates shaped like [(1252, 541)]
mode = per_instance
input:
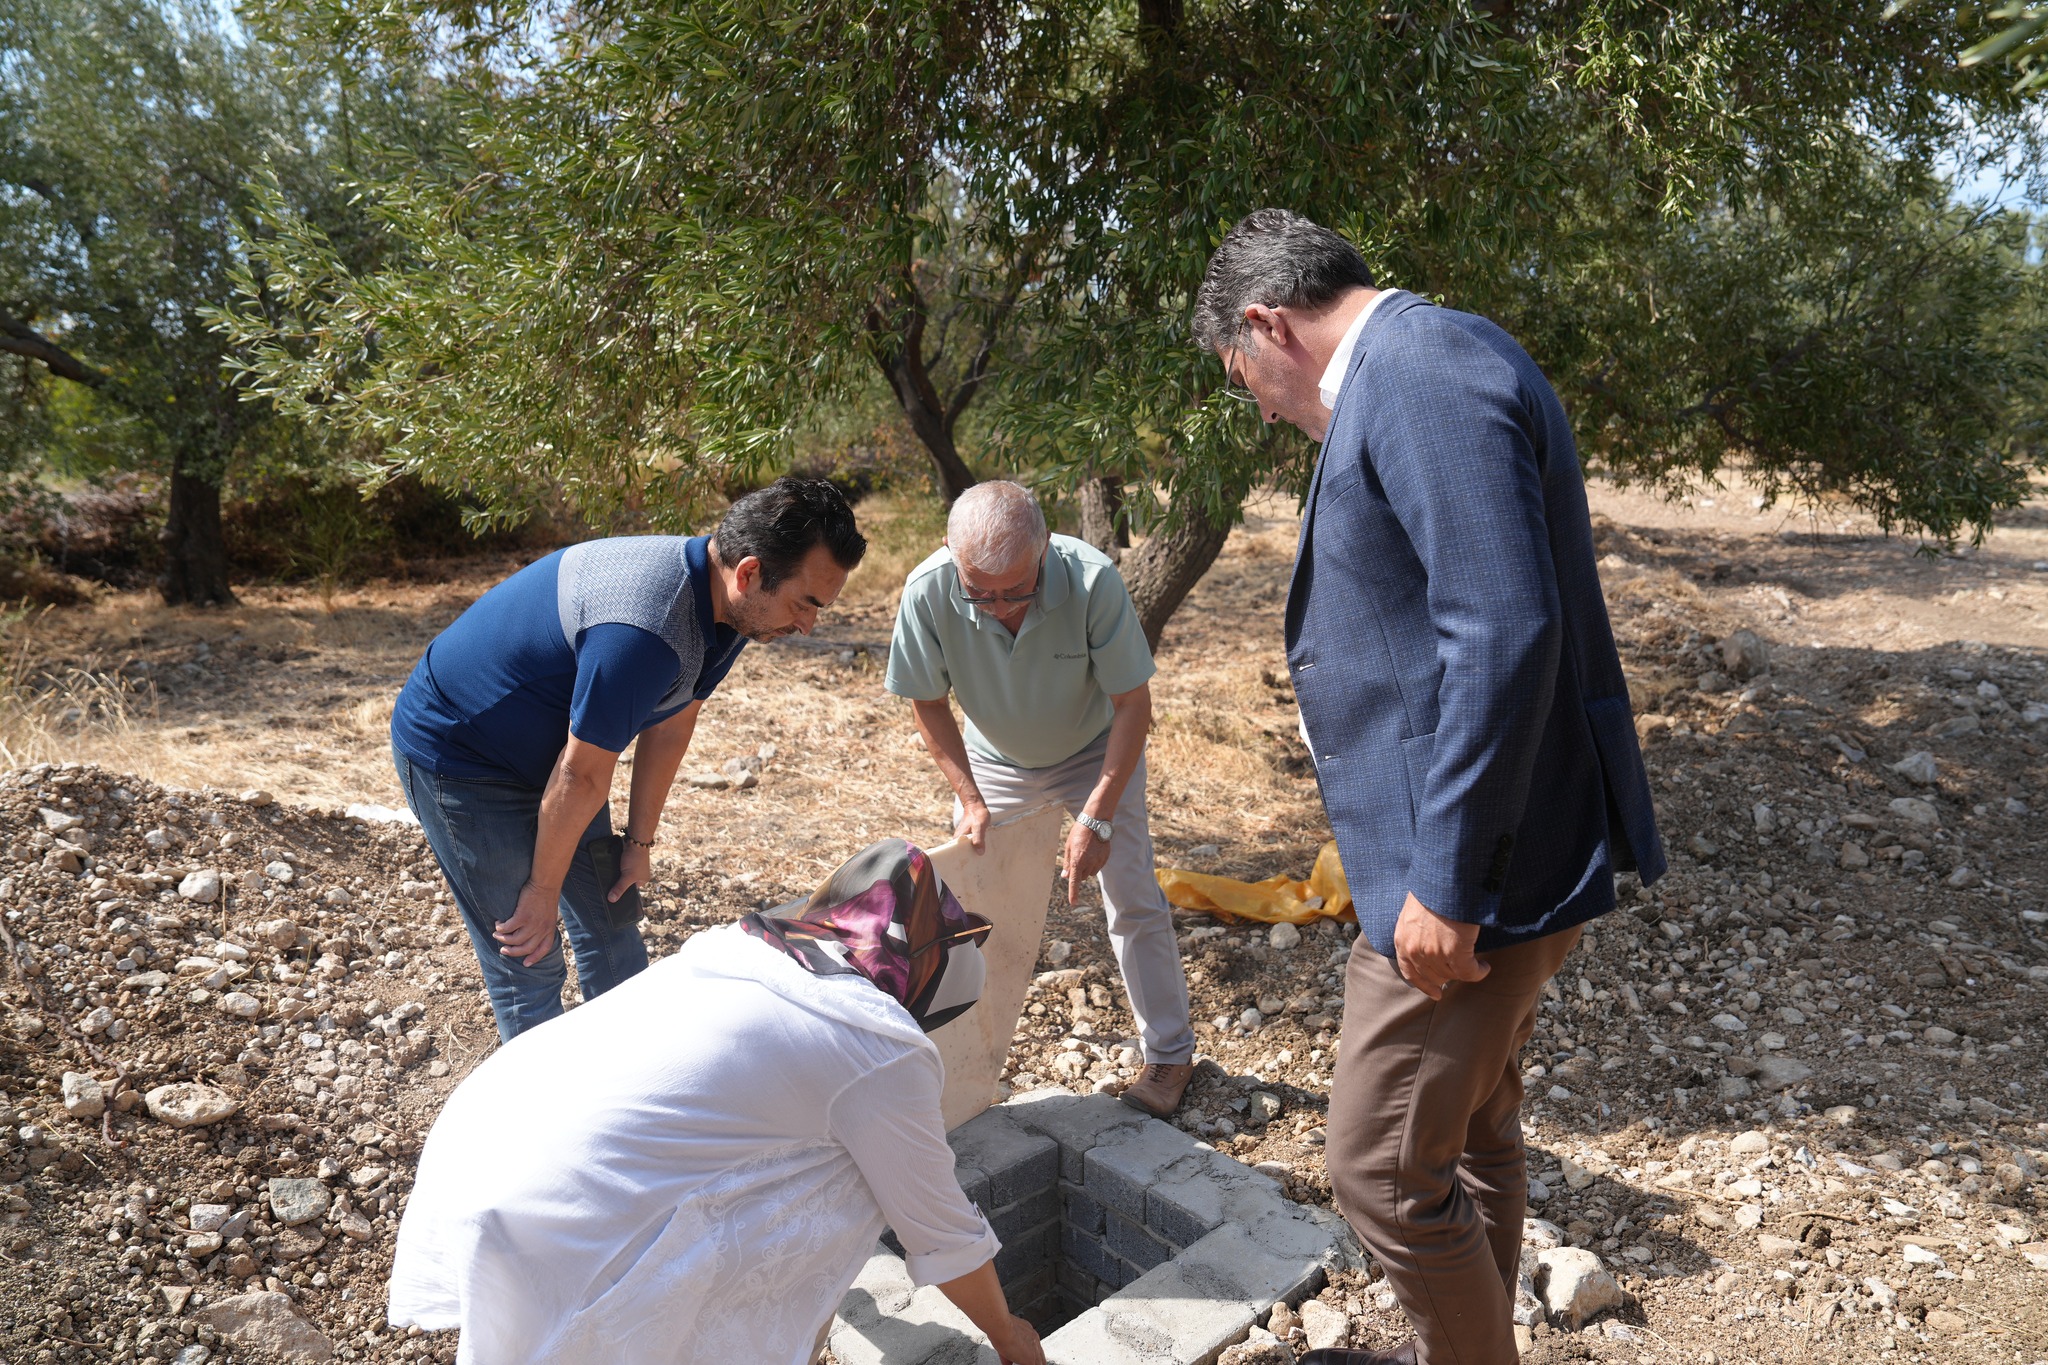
[(885, 915)]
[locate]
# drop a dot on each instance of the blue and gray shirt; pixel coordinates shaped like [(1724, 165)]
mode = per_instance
[(599, 641)]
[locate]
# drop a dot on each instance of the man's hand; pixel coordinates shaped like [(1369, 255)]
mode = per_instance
[(1019, 1345), (973, 824), (530, 934), (636, 868), (1432, 951), (1085, 854)]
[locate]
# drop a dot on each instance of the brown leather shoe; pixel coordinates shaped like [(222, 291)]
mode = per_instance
[(1158, 1089)]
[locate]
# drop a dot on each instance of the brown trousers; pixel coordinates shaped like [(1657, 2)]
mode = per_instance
[(1425, 1147)]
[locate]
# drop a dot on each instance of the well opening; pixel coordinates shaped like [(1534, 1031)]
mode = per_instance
[(1124, 1240)]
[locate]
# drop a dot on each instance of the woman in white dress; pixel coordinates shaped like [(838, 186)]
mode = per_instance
[(694, 1166)]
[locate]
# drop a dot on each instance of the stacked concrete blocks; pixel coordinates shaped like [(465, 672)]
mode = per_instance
[(1150, 1247)]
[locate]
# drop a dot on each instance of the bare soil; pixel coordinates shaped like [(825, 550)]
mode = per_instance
[(1901, 965)]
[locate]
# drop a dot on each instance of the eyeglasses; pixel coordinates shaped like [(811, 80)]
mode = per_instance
[(1005, 599), (1233, 387), (976, 933)]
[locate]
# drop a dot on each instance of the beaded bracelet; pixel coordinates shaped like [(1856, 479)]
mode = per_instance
[(647, 844)]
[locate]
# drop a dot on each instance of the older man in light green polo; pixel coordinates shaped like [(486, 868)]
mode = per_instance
[(1036, 635)]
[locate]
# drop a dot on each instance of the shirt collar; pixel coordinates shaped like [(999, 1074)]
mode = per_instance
[(697, 559), (1332, 382)]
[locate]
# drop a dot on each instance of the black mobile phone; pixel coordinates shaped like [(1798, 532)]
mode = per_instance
[(606, 852)]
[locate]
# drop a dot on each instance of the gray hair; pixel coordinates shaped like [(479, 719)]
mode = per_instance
[(996, 526), (1274, 258)]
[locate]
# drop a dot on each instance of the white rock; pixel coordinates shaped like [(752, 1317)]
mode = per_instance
[(1058, 951), (1915, 1254), (1780, 1073), (278, 933), (1728, 1023), (256, 796), (1914, 810), (96, 1021), (1574, 1285), (1284, 937), (1327, 1328), (83, 1096), (240, 1005), (187, 1104), (59, 822), (1251, 1018), (1939, 1036), (1885, 1296), (209, 1217), (1918, 768), (1751, 1143), (265, 1322), (202, 886), (1542, 1234), (280, 872)]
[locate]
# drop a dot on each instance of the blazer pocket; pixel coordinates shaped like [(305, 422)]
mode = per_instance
[(1416, 754)]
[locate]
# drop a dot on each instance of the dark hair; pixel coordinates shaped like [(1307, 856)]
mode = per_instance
[(1278, 259), (780, 524)]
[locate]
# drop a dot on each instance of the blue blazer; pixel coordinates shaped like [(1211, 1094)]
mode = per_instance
[(1449, 645)]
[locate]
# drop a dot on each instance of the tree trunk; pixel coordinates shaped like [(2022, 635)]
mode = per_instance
[(1103, 523), (935, 434), (1164, 570), (195, 552)]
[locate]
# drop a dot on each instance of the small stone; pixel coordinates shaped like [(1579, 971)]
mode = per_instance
[(188, 1104), (1271, 1005), (59, 822), (1918, 767), (1779, 1248), (1325, 1327), (1264, 1107), (209, 1217), (1938, 1035), (202, 886), (1574, 1286), (1841, 1115), (1283, 936), (295, 1200), (202, 1244), (1765, 819), (1915, 1254), (1968, 723), (1251, 1018), (1915, 811), (354, 1226), (1542, 1234), (1261, 1348), (1205, 851), (1702, 847), (280, 934), (1282, 1322), (1852, 855), (176, 1296), (83, 1096), (1745, 655), (1941, 1320), (1778, 1072), (240, 1005), (1058, 951), (1728, 1023), (1749, 1217), (256, 797), (280, 872), (96, 1021), (337, 896), (1751, 1143)]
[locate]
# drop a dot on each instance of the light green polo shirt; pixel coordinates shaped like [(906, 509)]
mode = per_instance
[(1041, 696)]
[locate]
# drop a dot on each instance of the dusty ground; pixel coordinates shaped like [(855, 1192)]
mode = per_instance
[(1751, 1211)]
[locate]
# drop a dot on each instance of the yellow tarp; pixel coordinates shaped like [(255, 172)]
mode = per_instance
[(1325, 895)]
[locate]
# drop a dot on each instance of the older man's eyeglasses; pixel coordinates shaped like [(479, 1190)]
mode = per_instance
[(1234, 387), (1005, 599)]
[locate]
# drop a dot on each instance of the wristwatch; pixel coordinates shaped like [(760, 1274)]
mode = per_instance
[(1101, 829)]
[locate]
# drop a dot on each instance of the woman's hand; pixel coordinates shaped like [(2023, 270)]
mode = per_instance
[(636, 868), (1020, 1344)]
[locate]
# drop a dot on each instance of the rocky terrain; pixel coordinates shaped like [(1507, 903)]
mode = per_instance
[(1787, 1104)]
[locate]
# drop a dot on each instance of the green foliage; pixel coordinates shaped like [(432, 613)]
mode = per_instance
[(677, 227), (2019, 38)]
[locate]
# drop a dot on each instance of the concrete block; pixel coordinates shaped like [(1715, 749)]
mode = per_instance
[(1083, 1209), (1129, 1240), (1193, 1196), (1097, 1339), (1075, 1281), (1206, 1297), (1120, 1170), (1015, 1161), (1021, 1256), (1091, 1257), (885, 1320), (1075, 1122), (1032, 1211)]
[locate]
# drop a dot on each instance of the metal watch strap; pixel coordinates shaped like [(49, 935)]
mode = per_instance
[(1102, 829)]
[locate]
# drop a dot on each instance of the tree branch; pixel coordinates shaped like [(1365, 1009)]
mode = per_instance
[(18, 338)]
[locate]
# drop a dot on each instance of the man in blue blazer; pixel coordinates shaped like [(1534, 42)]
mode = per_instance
[(1461, 694)]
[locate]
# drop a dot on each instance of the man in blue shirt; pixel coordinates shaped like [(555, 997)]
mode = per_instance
[(507, 733)]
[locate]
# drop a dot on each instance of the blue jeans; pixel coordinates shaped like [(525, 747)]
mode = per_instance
[(482, 835)]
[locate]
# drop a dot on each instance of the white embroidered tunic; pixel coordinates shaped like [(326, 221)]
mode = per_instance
[(690, 1168)]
